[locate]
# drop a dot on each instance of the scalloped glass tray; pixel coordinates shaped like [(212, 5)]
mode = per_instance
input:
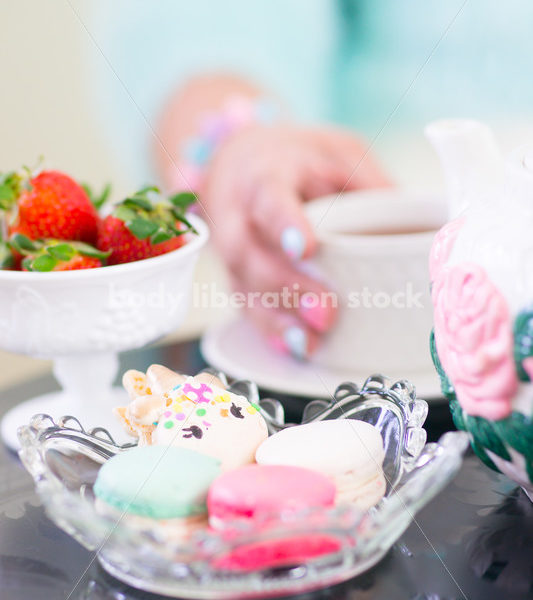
[(64, 460)]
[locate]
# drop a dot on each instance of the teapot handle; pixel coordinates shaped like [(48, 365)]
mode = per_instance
[(471, 160), (519, 178)]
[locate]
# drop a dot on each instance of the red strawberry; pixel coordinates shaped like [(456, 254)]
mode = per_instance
[(56, 255), (74, 264), (144, 225), (49, 205), (114, 235)]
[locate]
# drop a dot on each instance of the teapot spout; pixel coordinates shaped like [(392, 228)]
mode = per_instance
[(471, 160)]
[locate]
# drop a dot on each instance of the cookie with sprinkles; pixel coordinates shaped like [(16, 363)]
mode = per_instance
[(209, 419), (198, 413), (151, 393)]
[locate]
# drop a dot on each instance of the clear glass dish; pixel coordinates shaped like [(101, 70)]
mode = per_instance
[(64, 460)]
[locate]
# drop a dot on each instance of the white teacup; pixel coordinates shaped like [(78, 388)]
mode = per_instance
[(373, 251)]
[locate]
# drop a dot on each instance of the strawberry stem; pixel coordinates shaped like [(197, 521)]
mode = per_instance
[(97, 200), (148, 214)]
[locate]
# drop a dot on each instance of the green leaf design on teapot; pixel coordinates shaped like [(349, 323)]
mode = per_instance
[(445, 383), (515, 431), (523, 342)]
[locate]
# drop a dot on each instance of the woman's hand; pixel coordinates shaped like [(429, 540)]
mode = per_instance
[(254, 190)]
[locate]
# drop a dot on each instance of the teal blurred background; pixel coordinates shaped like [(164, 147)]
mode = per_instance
[(84, 80), (358, 63)]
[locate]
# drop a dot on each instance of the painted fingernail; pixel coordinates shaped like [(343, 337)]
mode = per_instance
[(293, 242), (278, 344), (527, 363), (296, 340), (318, 316)]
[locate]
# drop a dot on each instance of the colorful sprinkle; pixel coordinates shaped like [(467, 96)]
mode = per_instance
[(206, 423), (251, 409), (255, 406), (223, 398), (198, 393), (224, 412), (155, 423), (169, 425), (201, 412), (167, 413), (180, 416)]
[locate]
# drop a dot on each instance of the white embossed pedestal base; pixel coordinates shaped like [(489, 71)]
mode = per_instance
[(87, 394)]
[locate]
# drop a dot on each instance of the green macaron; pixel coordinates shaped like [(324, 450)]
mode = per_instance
[(159, 482)]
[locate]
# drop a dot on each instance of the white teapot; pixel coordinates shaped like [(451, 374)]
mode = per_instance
[(481, 268)]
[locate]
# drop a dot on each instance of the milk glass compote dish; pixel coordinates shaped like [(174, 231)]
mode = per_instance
[(82, 319)]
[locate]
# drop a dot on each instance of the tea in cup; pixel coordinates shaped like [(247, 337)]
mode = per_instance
[(373, 253)]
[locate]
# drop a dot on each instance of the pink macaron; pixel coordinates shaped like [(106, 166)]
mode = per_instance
[(290, 550), (264, 492), (264, 496)]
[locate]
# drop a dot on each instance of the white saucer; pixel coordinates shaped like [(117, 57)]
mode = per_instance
[(237, 349)]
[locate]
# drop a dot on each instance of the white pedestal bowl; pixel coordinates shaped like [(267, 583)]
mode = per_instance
[(82, 319)]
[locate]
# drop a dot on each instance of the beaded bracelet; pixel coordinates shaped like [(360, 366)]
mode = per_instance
[(214, 128)]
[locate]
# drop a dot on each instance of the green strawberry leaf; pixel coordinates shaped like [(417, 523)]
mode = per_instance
[(145, 190), (43, 263), (61, 252), (104, 195), (183, 200), (138, 202), (185, 221), (177, 232), (6, 177), (146, 217), (124, 213), (142, 228), (7, 196), (88, 190), (88, 250), (11, 185), (160, 236), (22, 243), (97, 200), (6, 256)]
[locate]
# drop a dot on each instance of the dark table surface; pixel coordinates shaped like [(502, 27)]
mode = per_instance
[(474, 541)]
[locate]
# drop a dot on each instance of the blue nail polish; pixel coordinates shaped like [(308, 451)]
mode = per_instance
[(296, 340), (197, 151), (293, 242)]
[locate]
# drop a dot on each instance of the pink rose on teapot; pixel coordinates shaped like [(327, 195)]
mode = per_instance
[(481, 268)]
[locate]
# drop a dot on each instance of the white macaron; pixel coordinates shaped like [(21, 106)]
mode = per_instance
[(348, 451)]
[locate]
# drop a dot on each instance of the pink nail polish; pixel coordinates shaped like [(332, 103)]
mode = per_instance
[(527, 363), (277, 342), (319, 317)]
